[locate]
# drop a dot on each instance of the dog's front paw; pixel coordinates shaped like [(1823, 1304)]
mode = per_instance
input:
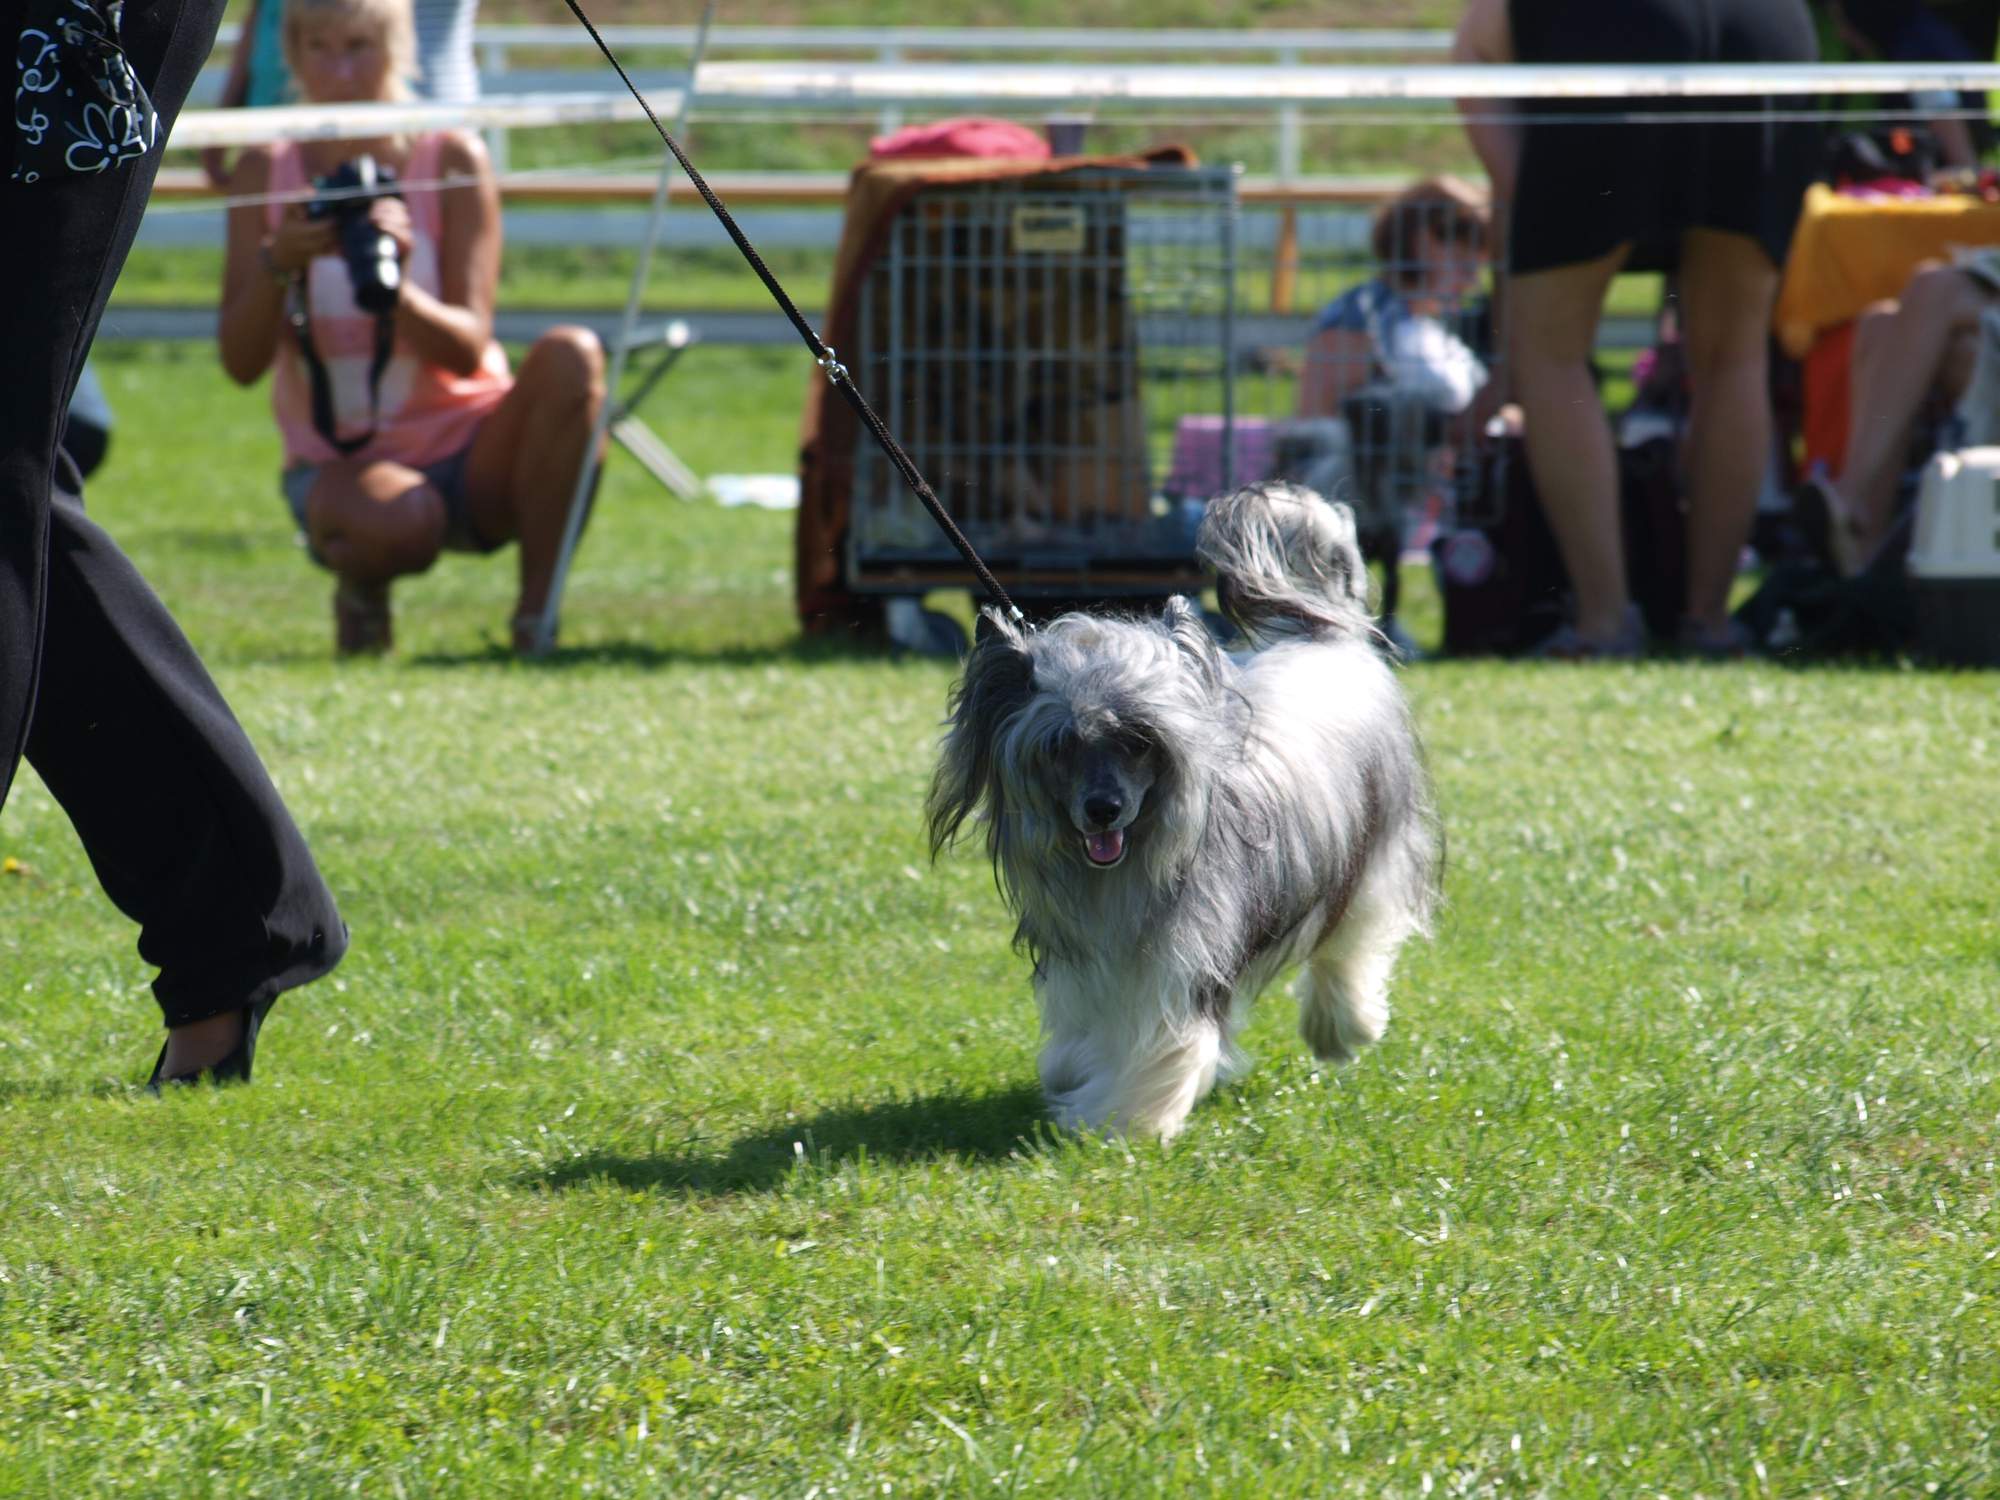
[(1067, 1066), (1335, 1021), (1068, 1114), (1323, 1034), (1234, 1066), (1144, 1124)]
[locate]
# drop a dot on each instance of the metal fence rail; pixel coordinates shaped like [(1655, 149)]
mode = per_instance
[(499, 42), (499, 48)]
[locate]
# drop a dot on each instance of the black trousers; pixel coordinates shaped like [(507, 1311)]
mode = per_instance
[(98, 687)]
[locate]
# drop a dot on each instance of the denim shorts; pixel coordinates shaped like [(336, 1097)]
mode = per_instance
[(446, 476)]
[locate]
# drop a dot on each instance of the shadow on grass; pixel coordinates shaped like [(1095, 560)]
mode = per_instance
[(59, 1090), (964, 1127), (651, 655), (203, 541)]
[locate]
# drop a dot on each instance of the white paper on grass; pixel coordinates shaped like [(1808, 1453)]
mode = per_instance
[(770, 491)]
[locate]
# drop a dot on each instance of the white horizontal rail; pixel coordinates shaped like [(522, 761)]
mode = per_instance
[(736, 85), (1237, 86), (981, 39), (326, 122), (953, 39)]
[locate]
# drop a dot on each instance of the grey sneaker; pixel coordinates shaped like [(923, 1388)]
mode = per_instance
[(1570, 644), (1731, 643)]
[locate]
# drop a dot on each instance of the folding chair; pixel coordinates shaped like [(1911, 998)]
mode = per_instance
[(665, 345)]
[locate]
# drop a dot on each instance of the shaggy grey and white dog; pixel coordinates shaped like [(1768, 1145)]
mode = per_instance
[(1174, 826)]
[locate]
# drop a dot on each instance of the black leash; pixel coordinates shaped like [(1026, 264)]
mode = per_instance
[(823, 356)]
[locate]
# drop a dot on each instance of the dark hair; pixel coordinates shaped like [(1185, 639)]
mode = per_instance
[(1877, 20), (1445, 208)]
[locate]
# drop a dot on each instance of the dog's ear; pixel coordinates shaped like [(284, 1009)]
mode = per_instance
[(1192, 638), (1339, 547), (992, 622), (998, 682)]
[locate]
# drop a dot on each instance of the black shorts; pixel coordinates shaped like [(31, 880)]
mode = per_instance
[(1591, 181), (446, 476)]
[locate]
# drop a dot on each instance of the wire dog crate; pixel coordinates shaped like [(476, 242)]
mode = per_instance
[(1036, 342)]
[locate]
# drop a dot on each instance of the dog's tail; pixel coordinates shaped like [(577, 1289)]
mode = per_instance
[(1287, 564)]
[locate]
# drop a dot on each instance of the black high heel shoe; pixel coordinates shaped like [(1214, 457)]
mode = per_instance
[(233, 1067)]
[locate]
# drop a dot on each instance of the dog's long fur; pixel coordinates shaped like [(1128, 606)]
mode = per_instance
[(1174, 826)]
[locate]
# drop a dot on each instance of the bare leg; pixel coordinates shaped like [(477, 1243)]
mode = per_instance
[(522, 468), (1552, 317), (376, 521), (370, 523), (1727, 285), (1897, 362)]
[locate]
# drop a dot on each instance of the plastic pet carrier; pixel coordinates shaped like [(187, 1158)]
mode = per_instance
[(1954, 561)]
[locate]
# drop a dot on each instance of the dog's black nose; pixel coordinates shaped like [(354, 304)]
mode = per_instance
[(1102, 810)]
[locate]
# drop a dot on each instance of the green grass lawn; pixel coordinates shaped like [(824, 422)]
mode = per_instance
[(672, 1129), (593, 278)]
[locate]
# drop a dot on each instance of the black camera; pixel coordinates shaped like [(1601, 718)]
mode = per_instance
[(344, 196)]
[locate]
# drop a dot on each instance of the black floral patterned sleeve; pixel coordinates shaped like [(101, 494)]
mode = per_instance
[(78, 109)]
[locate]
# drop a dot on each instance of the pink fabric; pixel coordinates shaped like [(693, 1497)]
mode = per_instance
[(426, 413), (1885, 187), (1197, 466), (970, 137)]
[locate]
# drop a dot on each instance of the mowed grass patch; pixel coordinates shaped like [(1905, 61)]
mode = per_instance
[(672, 1126)]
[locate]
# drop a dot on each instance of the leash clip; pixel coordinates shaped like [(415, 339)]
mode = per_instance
[(835, 370)]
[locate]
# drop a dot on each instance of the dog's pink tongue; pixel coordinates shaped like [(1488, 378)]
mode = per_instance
[(1104, 848)]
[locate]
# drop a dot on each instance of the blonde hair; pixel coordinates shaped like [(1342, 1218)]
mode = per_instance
[(397, 21)]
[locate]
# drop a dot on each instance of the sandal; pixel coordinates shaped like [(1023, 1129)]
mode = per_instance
[(361, 619), (1829, 532), (233, 1067)]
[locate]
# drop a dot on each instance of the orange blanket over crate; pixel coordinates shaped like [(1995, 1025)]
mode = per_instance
[(1849, 253), (875, 193)]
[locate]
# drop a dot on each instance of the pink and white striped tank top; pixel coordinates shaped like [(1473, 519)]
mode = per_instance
[(425, 412)]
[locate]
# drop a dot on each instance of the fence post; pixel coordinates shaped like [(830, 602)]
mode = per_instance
[(1290, 126), (892, 118), (1285, 263), (493, 62)]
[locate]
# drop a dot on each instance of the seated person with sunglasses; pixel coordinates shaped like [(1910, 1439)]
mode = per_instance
[(365, 273)]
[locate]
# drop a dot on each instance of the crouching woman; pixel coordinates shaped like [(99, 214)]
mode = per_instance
[(404, 432)]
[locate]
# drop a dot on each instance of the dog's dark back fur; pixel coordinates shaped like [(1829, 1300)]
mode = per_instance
[(997, 682)]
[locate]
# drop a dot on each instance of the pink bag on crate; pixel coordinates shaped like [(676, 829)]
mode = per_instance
[(968, 137)]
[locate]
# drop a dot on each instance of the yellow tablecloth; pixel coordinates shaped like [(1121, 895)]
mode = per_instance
[(1850, 252)]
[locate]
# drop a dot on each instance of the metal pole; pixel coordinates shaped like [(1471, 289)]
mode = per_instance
[(891, 118), (1290, 133), (544, 638), (493, 57)]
